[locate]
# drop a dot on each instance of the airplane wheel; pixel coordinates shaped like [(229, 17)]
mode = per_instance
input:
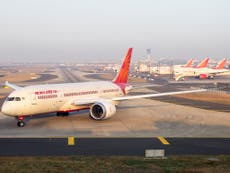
[(21, 124)]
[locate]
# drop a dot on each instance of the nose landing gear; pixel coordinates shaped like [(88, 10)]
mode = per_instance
[(21, 123)]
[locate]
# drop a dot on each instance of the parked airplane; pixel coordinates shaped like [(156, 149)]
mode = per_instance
[(168, 69), (202, 73), (100, 97), (178, 68)]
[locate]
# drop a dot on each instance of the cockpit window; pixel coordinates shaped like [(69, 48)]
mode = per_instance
[(17, 98), (13, 99), (10, 98)]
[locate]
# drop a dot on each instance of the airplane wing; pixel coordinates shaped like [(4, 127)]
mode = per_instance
[(90, 101), (156, 95), (13, 86), (143, 86)]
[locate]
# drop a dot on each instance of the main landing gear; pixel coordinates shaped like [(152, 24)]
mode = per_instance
[(63, 114), (21, 123)]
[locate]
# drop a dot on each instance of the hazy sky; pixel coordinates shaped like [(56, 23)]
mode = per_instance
[(84, 30)]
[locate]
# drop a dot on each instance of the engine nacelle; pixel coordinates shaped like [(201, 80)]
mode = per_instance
[(102, 110), (203, 76)]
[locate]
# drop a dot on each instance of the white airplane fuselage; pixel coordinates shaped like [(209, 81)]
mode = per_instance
[(196, 72), (38, 99)]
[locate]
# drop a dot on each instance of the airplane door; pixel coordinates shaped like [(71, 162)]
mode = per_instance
[(59, 100), (34, 99)]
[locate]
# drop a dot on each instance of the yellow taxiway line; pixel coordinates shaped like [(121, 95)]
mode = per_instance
[(71, 140), (163, 140)]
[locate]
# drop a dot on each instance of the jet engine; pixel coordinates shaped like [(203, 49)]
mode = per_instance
[(102, 110), (203, 76)]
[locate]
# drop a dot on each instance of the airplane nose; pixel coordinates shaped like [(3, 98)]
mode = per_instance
[(5, 109)]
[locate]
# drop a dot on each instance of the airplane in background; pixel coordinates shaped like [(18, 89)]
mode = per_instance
[(100, 97), (202, 72), (167, 69)]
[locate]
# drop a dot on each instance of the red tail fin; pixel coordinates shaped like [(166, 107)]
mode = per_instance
[(122, 76), (221, 64), (203, 63), (189, 63)]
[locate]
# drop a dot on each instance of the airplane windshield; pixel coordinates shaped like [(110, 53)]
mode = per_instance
[(13, 99)]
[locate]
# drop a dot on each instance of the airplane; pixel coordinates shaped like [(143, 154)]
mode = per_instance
[(202, 72), (188, 65), (167, 69), (100, 97), (179, 68)]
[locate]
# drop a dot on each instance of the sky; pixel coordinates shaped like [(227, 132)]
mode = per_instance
[(103, 30)]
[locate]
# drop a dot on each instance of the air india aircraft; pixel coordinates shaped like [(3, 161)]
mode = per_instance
[(202, 73), (100, 97)]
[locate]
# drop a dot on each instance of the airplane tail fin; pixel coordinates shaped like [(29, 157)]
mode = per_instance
[(203, 63), (122, 76), (221, 64), (189, 63)]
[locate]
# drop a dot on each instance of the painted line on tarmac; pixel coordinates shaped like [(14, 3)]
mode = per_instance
[(71, 140), (163, 140)]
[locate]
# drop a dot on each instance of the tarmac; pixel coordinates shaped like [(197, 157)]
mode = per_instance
[(112, 146), (133, 129), (134, 118)]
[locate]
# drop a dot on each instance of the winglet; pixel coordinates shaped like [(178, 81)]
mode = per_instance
[(189, 63), (15, 87), (203, 63), (221, 64), (122, 76)]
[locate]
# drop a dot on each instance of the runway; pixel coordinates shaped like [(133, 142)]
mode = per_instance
[(112, 146)]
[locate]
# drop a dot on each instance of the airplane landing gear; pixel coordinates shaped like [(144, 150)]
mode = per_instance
[(21, 123)]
